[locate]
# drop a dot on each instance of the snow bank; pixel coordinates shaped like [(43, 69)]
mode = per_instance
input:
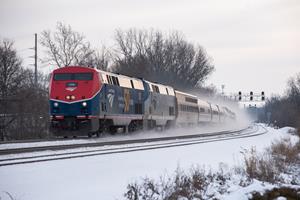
[(106, 176), (287, 129)]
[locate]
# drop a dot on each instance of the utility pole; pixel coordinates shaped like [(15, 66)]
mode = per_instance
[(35, 60), (35, 81)]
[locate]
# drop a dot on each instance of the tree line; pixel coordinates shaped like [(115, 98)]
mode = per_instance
[(165, 58), (23, 105), (150, 54), (284, 110)]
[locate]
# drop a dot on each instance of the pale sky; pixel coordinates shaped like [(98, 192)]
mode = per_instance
[(254, 44)]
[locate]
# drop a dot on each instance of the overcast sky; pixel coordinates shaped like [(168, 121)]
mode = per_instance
[(255, 44)]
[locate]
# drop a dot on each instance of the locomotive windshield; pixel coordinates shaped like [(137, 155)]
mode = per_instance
[(73, 76)]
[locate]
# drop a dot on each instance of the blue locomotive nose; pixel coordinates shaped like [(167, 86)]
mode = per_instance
[(88, 107), (74, 109)]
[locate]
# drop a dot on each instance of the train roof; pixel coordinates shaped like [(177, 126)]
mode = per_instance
[(186, 94), (162, 89), (203, 103), (123, 81), (71, 68)]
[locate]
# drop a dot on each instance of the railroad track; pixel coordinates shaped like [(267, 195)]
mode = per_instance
[(120, 146), (101, 143)]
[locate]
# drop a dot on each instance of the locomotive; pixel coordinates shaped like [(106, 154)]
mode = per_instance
[(88, 101)]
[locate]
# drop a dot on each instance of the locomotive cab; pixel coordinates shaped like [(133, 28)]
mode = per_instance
[(73, 105)]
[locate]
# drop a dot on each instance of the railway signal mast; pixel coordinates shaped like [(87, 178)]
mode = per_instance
[(251, 97)]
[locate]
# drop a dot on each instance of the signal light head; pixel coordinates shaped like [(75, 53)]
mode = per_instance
[(240, 95)]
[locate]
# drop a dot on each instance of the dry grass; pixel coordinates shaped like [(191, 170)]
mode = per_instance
[(284, 153), (268, 166), (260, 166), (192, 185), (277, 159)]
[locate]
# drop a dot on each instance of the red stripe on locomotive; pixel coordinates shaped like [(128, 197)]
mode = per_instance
[(84, 89)]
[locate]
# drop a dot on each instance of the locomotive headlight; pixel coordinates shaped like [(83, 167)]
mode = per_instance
[(55, 104), (84, 104), (68, 97), (72, 97)]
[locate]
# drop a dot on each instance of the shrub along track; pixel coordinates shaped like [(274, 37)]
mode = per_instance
[(58, 152)]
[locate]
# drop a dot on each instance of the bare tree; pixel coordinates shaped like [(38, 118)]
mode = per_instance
[(10, 83), (65, 47), (10, 69), (293, 90), (166, 59), (285, 110), (99, 59), (23, 107)]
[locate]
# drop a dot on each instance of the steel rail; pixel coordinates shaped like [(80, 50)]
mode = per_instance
[(101, 143), (228, 136)]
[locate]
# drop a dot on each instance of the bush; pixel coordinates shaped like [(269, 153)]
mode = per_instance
[(280, 158), (192, 185), (260, 167), (278, 164), (284, 153)]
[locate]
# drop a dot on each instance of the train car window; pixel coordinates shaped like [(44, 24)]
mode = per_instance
[(191, 100), (83, 76), (73, 76), (108, 79), (62, 77), (172, 92), (155, 88), (187, 108), (115, 80), (138, 84), (202, 110), (171, 111), (132, 84)]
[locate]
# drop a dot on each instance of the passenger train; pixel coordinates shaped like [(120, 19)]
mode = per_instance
[(88, 101)]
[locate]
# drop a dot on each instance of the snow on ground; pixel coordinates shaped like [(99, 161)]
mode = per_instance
[(106, 176)]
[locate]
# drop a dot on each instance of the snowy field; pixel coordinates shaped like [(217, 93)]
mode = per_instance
[(106, 176)]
